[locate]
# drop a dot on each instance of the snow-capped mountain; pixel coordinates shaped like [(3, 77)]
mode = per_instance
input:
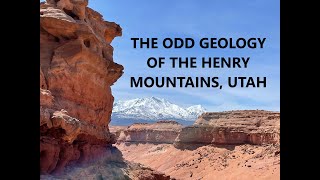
[(154, 108), (196, 110)]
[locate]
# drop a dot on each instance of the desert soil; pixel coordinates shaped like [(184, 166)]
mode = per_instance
[(228, 162)]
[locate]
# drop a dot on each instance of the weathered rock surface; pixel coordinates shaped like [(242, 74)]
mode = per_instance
[(116, 130), (233, 127), (230, 128), (159, 132), (112, 167), (220, 145), (76, 72)]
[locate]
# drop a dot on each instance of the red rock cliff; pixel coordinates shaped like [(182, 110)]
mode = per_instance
[(76, 72), (233, 127), (255, 127), (159, 132)]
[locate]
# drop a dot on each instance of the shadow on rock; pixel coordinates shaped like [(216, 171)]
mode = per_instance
[(111, 167)]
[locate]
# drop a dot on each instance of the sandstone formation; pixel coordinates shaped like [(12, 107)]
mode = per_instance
[(117, 130), (230, 128), (112, 167), (76, 72), (220, 145), (233, 127), (159, 132)]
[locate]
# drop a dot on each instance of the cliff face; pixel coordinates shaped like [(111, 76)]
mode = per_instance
[(221, 128), (233, 127), (220, 145), (159, 132), (76, 72)]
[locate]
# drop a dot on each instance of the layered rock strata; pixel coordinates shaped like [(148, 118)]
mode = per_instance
[(159, 132), (76, 72), (220, 145), (233, 127), (254, 127)]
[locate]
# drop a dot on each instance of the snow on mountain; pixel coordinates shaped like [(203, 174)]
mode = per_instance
[(154, 108), (196, 110)]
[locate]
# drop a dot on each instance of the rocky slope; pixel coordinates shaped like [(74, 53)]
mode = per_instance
[(207, 162), (113, 167), (220, 145)]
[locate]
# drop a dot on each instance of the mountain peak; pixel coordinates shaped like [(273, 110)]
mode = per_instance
[(197, 107), (154, 108)]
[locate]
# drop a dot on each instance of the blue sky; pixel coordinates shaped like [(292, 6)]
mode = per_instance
[(198, 19)]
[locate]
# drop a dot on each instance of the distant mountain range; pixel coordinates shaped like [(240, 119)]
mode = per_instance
[(153, 109)]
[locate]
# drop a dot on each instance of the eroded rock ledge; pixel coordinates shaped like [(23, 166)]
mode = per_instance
[(159, 132), (254, 127), (76, 72)]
